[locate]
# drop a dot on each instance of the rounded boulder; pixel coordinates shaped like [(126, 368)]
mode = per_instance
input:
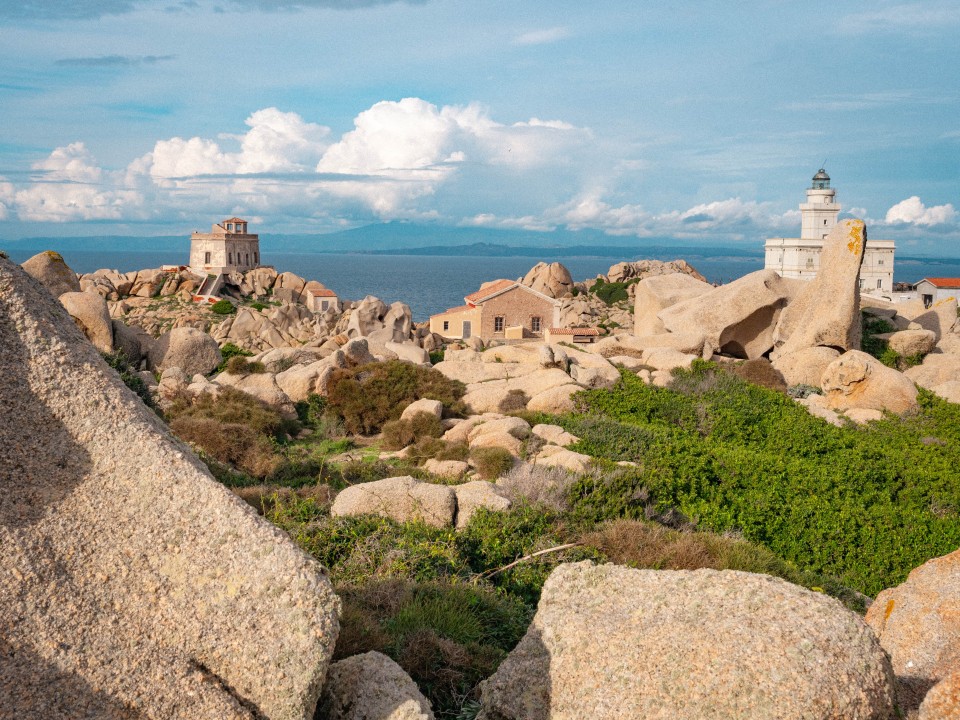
[(611, 642), (195, 352)]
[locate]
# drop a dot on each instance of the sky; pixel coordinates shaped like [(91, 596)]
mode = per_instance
[(695, 120)]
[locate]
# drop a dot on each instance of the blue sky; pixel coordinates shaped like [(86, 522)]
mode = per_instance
[(642, 119)]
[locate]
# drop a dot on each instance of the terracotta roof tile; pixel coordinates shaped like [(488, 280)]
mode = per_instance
[(492, 289), (574, 331), (944, 282), (323, 293)]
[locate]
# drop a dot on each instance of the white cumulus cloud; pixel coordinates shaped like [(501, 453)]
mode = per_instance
[(914, 212)]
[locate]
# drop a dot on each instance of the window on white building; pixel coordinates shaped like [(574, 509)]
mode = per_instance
[(879, 284), (206, 258), (446, 324)]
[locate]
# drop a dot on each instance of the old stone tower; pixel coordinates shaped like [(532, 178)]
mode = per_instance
[(227, 248)]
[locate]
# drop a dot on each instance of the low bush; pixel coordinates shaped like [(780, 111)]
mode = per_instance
[(515, 401), (368, 396), (537, 485), (447, 637), (118, 361), (239, 365), (398, 434), (861, 504), (223, 307), (610, 292), (491, 462)]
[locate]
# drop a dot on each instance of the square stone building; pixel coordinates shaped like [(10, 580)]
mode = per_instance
[(499, 310), (227, 248)]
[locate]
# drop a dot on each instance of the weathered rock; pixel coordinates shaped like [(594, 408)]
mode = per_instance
[(517, 427), (424, 405), (554, 434), (185, 348), (409, 352), (127, 340), (477, 372), (53, 273), (554, 400), (862, 415), (858, 380), (401, 498), (623, 271), (949, 391), (827, 310), (657, 293), (737, 318), (262, 386), (366, 316), (806, 366), (499, 439), (399, 322), (474, 495), (371, 686), (555, 456), (131, 583), (918, 623), (940, 318), (817, 406), (936, 369), (301, 381), (357, 352), (667, 359), (910, 342), (89, 311), (446, 468), (612, 642), (943, 701), (553, 280)]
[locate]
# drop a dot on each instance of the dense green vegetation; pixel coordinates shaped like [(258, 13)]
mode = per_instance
[(368, 396), (865, 505), (223, 307)]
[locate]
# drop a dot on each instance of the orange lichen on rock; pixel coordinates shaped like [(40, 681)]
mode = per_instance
[(856, 236)]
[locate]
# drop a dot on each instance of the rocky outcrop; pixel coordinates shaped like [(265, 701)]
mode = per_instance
[(400, 498), (612, 642), (642, 269), (50, 269), (424, 405), (910, 343), (90, 313), (553, 279), (659, 292), (131, 583), (736, 319), (858, 380), (371, 686), (806, 366), (474, 495), (918, 623), (194, 352), (943, 701), (826, 312), (367, 316)]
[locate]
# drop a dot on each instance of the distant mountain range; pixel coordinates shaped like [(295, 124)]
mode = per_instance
[(403, 238)]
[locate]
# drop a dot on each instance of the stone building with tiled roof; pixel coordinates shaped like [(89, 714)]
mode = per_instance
[(499, 310), (227, 248)]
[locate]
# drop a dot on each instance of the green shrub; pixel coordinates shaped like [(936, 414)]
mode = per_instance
[(491, 462), (239, 365), (515, 401), (368, 396), (258, 306), (610, 292), (398, 434), (436, 356), (118, 361), (223, 307), (311, 410), (863, 505)]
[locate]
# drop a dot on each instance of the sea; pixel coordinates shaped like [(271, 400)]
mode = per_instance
[(432, 283)]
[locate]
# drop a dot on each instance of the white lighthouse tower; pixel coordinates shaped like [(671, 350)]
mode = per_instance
[(800, 257)]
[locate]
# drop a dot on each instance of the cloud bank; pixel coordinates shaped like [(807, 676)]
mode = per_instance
[(403, 159)]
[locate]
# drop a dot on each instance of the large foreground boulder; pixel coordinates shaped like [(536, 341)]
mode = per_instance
[(918, 623), (659, 292), (53, 273), (132, 584), (858, 380), (611, 642), (736, 319), (827, 310), (371, 686)]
